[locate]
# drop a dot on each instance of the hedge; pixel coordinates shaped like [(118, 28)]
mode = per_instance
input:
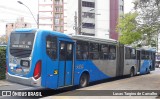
[(2, 62)]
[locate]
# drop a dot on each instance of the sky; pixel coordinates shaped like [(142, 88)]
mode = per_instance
[(128, 6), (10, 10)]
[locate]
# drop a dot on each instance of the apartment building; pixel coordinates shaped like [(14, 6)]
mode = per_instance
[(19, 23), (81, 17)]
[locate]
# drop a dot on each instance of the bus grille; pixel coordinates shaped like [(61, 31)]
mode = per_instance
[(21, 53)]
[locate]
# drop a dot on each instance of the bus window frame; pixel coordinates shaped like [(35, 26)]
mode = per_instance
[(81, 50), (102, 53), (51, 48), (112, 55), (129, 53), (94, 52)]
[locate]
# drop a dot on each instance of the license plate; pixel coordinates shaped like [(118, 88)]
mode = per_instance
[(19, 70), (25, 63)]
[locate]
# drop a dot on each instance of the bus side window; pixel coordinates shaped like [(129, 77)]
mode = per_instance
[(133, 53), (104, 51), (82, 50), (85, 51), (51, 47), (94, 51), (112, 52), (143, 54), (69, 52), (62, 51), (150, 55), (147, 55), (127, 53), (78, 51), (78, 55)]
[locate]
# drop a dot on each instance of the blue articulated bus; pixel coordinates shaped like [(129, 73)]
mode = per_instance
[(145, 61), (54, 60)]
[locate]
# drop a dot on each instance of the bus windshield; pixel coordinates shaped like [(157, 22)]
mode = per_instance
[(21, 43), (22, 40)]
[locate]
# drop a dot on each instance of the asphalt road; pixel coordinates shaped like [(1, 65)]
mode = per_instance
[(101, 89)]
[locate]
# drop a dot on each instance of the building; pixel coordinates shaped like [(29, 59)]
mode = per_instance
[(18, 24), (83, 17)]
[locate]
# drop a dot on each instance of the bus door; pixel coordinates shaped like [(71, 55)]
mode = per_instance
[(65, 64), (138, 61)]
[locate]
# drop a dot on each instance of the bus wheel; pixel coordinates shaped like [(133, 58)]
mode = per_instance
[(132, 72), (148, 71), (84, 80)]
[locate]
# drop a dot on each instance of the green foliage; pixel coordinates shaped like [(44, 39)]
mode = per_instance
[(3, 39), (148, 19), (2, 62), (141, 28), (127, 26)]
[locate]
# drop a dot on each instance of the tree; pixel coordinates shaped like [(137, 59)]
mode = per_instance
[(3, 39), (2, 62), (128, 29), (148, 18)]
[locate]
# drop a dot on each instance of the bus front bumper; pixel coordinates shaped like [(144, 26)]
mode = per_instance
[(22, 80)]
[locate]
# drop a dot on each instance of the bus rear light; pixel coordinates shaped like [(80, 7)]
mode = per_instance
[(37, 70)]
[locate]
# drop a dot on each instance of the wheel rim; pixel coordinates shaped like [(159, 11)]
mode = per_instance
[(132, 73), (83, 81)]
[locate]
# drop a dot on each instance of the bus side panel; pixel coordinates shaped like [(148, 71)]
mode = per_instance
[(44, 67), (128, 64), (37, 53), (107, 67), (51, 78), (103, 69), (95, 72), (144, 66), (80, 66), (49, 66)]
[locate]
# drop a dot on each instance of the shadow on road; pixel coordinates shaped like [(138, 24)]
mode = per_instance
[(64, 91)]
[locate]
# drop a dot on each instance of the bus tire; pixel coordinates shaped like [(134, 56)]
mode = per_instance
[(148, 70), (132, 72), (84, 80)]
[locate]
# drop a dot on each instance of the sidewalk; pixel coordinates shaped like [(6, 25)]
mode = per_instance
[(4, 83)]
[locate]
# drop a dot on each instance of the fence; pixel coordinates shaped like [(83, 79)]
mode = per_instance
[(2, 62)]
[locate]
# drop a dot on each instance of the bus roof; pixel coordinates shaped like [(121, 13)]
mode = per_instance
[(25, 30), (29, 30), (93, 39), (152, 50)]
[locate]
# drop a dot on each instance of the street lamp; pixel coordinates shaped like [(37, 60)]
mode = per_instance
[(30, 12)]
